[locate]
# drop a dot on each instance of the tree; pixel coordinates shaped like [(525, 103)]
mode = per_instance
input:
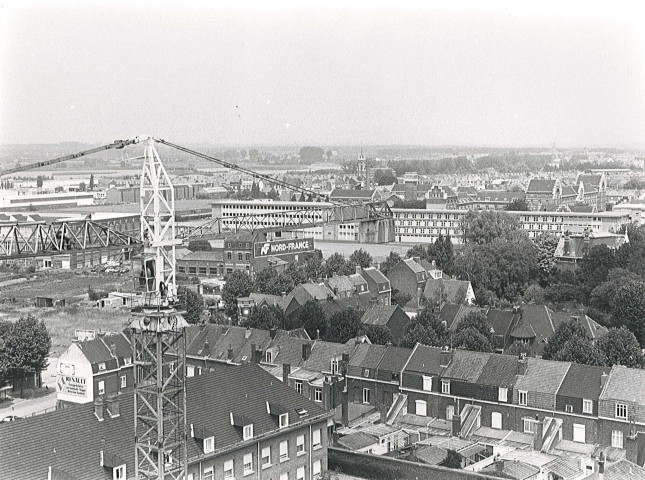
[(628, 308), (474, 333), (579, 350), (452, 460), (190, 302), (427, 329), (392, 259), (517, 205), (518, 348), (361, 258), (603, 295), (378, 334), (477, 321), (343, 326), (442, 253), (534, 294), (313, 268), (620, 347), (336, 265), (563, 333), (24, 348), (400, 298), (91, 182), (200, 246), (312, 318), (82, 187), (39, 181), (238, 284), (485, 227), (594, 267), (545, 250), (417, 251), (384, 177), (311, 155), (265, 317)]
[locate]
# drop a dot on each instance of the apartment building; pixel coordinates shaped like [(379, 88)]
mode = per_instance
[(256, 427)]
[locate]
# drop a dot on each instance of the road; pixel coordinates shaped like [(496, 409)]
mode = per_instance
[(23, 407)]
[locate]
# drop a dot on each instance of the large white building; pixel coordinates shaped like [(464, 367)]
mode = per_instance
[(414, 225), (43, 200)]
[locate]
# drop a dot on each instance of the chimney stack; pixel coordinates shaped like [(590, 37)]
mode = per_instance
[(601, 466), (112, 402), (522, 365), (207, 349), (247, 332), (538, 436), (603, 380), (253, 354), (230, 352), (99, 408), (286, 371), (345, 406), (306, 351), (113, 349), (358, 269), (455, 426), (344, 363), (273, 332), (446, 356)]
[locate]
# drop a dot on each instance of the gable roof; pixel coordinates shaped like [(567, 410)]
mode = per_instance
[(357, 440), (626, 384), (589, 180), (413, 265), (466, 365), (322, 352), (425, 359), (542, 376), (541, 185), (394, 359), (453, 291), (583, 381), (70, 439), (367, 355), (379, 314), (340, 283), (499, 370), (500, 320), (376, 275)]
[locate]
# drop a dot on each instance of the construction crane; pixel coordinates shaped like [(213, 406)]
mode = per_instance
[(159, 344)]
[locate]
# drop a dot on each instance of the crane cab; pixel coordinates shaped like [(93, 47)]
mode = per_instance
[(144, 277)]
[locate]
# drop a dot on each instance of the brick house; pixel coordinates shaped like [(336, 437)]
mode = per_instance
[(391, 316), (409, 277)]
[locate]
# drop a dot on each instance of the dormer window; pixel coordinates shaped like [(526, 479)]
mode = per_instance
[(268, 356), (209, 444), (247, 432), (119, 473), (284, 420), (334, 366), (244, 423), (127, 361), (101, 366)]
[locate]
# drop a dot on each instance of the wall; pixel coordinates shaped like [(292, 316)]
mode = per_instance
[(379, 467)]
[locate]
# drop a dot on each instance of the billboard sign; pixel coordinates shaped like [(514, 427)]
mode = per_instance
[(72, 385), (281, 247)]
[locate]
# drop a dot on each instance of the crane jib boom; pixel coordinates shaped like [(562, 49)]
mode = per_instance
[(117, 144)]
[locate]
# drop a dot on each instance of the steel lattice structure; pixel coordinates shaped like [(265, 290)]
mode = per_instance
[(20, 240), (159, 348)]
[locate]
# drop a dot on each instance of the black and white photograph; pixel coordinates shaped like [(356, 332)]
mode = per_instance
[(323, 240)]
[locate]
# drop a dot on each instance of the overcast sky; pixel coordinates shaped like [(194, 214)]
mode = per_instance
[(321, 76)]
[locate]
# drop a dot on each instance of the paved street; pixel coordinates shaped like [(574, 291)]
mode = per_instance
[(23, 407)]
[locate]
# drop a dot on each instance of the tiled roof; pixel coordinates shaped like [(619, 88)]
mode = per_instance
[(499, 370), (340, 283), (98, 350), (449, 313), (376, 275), (514, 470), (212, 256), (367, 355), (540, 185), (543, 376), (499, 195), (564, 468), (378, 314), (414, 266), (70, 439), (627, 384), (500, 320), (583, 381), (425, 360), (581, 208), (340, 193), (322, 352), (466, 365), (523, 331), (569, 191), (431, 455), (590, 180), (357, 440), (394, 359), (621, 470)]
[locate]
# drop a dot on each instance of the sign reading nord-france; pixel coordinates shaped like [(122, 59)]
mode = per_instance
[(277, 247)]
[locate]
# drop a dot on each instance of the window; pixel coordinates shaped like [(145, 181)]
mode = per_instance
[(445, 386), (522, 397), (247, 432), (247, 256), (190, 371), (127, 361), (578, 433), (450, 412), (266, 457), (334, 366), (316, 469), (318, 394), (315, 440), (284, 420), (366, 372), (299, 386), (228, 469), (568, 408), (248, 463), (239, 256), (192, 269), (587, 406), (229, 256), (268, 356), (181, 269), (529, 425), (202, 270), (300, 473), (366, 395), (101, 387), (617, 439), (124, 381), (502, 394), (427, 383), (300, 445), (118, 473), (209, 444), (421, 408), (496, 420), (208, 474), (621, 411), (199, 370), (284, 451), (101, 367)]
